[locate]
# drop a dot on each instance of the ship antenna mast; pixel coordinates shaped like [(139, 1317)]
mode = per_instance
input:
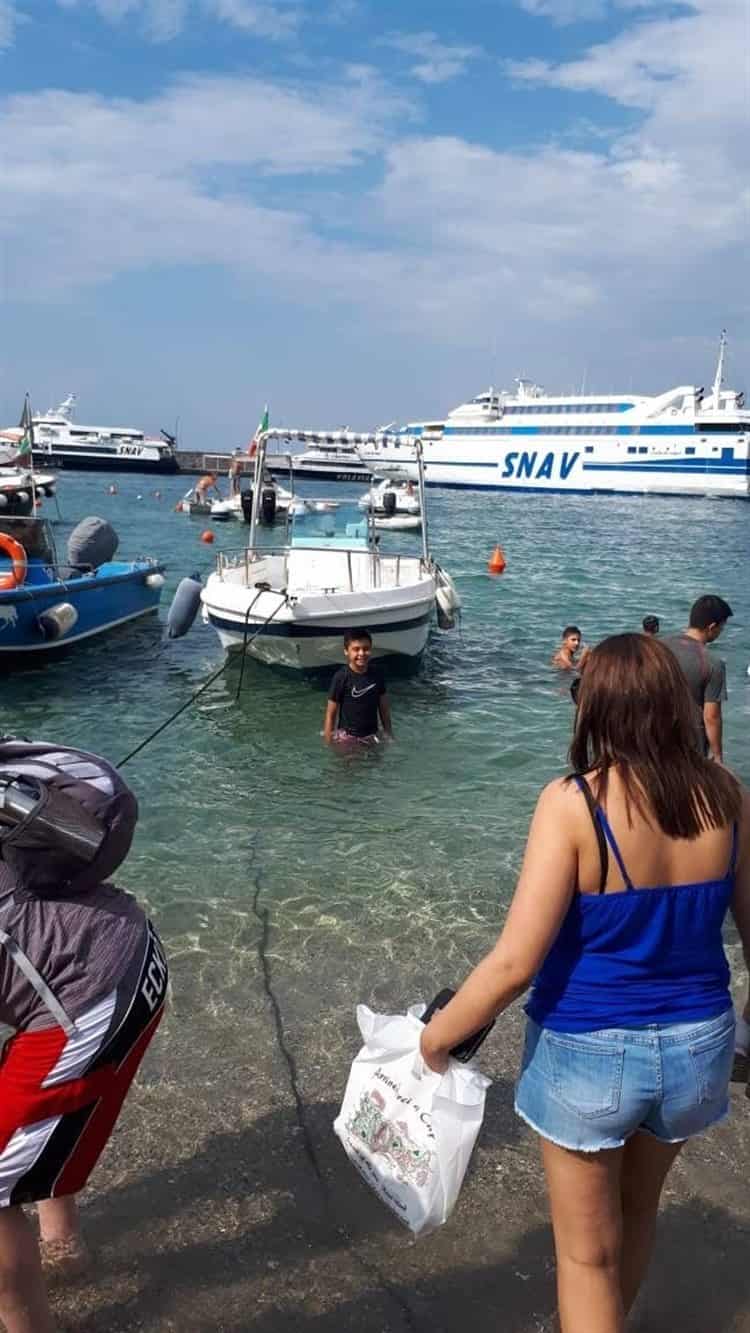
[(719, 377)]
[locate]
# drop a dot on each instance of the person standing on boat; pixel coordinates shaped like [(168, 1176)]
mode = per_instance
[(357, 701), (706, 675), (631, 865), (235, 474)]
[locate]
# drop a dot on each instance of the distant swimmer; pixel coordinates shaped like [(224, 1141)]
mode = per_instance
[(566, 659), (112, 490), (650, 624), (357, 701)]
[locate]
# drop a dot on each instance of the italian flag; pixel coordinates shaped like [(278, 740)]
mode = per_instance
[(24, 446), (261, 427)]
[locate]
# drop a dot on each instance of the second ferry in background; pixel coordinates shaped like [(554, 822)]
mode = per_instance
[(683, 442)]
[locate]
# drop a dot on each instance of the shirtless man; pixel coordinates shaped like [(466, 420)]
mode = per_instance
[(235, 475), (565, 657), (206, 484)]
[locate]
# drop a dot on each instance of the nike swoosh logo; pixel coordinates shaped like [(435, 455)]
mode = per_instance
[(357, 694)]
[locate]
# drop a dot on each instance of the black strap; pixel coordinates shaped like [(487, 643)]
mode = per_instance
[(583, 786)]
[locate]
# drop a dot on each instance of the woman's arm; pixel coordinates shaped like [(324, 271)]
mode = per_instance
[(542, 897), (740, 905)]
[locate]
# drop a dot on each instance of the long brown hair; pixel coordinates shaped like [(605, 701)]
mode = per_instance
[(636, 714)]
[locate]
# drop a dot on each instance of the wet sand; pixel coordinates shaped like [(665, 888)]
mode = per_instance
[(224, 1201)]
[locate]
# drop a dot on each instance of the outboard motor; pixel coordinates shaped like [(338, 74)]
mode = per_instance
[(389, 503), (246, 500), (268, 506)]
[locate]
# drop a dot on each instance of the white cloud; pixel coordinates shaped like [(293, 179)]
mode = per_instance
[(455, 238), (162, 20), (563, 12), (9, 17), (436, 61)]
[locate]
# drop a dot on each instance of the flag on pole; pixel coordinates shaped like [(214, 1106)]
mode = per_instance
[(261, 427), (27, 426)]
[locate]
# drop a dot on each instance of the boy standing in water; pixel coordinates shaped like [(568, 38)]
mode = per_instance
[(357, 698), (565, 657)]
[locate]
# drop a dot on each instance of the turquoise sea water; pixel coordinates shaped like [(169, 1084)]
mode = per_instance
[(413, 851)]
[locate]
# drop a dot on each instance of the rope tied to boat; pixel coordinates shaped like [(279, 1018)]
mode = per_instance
[(246, 642)]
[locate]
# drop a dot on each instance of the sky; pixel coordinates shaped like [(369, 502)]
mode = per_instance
[(361, 211)]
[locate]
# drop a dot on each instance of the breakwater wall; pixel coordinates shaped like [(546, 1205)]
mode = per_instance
[(195, 464)]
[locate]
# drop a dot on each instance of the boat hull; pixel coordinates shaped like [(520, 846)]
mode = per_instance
[(102, 600), (310, 642), (91, 460), (320, 473), (587, 468)]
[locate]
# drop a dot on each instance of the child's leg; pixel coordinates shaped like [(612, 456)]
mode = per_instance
[(58, 1219), (23, 1299)]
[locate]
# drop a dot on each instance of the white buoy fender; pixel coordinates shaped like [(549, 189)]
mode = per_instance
[(450, 596), (445, 616), (184, 607), (155, 580), (58, 620)]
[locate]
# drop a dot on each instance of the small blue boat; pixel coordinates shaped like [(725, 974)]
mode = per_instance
[(46, 604)]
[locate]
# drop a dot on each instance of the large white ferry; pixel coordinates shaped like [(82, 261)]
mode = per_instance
[(683, 442), (60, 442)]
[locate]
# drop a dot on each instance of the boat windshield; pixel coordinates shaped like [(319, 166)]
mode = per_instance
[(328, 523), (34, 534)]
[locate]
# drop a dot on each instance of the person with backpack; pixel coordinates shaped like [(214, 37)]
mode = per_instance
[(706, 676), (83, 983)]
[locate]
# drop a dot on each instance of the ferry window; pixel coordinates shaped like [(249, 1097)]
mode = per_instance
[(690, 449), (632, 449), (588, 448), (642, 448)]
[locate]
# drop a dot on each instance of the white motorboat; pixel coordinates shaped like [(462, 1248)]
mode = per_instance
[(20, 488), (390, 497), (274, 504), (290, 605)]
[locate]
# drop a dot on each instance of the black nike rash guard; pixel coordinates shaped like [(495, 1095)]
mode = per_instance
[(357, 694)]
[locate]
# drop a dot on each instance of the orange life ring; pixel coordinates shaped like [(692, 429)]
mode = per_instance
[(17, 575)]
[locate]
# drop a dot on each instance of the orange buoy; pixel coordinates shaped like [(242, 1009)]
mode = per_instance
[(207, 536), (497, 561)]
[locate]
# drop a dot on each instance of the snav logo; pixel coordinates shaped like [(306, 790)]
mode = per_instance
[(528, 464)]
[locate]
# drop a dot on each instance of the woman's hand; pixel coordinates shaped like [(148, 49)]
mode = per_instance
[(436, 1059)]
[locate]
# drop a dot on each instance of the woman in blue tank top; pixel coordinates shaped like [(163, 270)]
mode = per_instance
[(630, 868)]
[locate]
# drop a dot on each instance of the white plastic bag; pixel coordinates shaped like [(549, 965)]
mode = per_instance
[(410, 1132)]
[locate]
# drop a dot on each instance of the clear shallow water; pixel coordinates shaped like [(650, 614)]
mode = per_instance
[(409, 853)]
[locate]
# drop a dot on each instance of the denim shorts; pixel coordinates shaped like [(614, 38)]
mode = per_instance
[(592, 1090)]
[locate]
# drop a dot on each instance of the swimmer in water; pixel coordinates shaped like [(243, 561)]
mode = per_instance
[(566, 659), (650, 624)]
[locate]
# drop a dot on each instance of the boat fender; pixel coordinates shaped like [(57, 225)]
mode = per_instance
[(451, 597), (184, 608), (445, 612), (268, 506), (58, 620), (19, 564), (389, 503), (22, 497), (3, 501), (92, 542), (155, 580)]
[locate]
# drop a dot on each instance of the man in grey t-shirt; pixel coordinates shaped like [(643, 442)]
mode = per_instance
[(706, 675)]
